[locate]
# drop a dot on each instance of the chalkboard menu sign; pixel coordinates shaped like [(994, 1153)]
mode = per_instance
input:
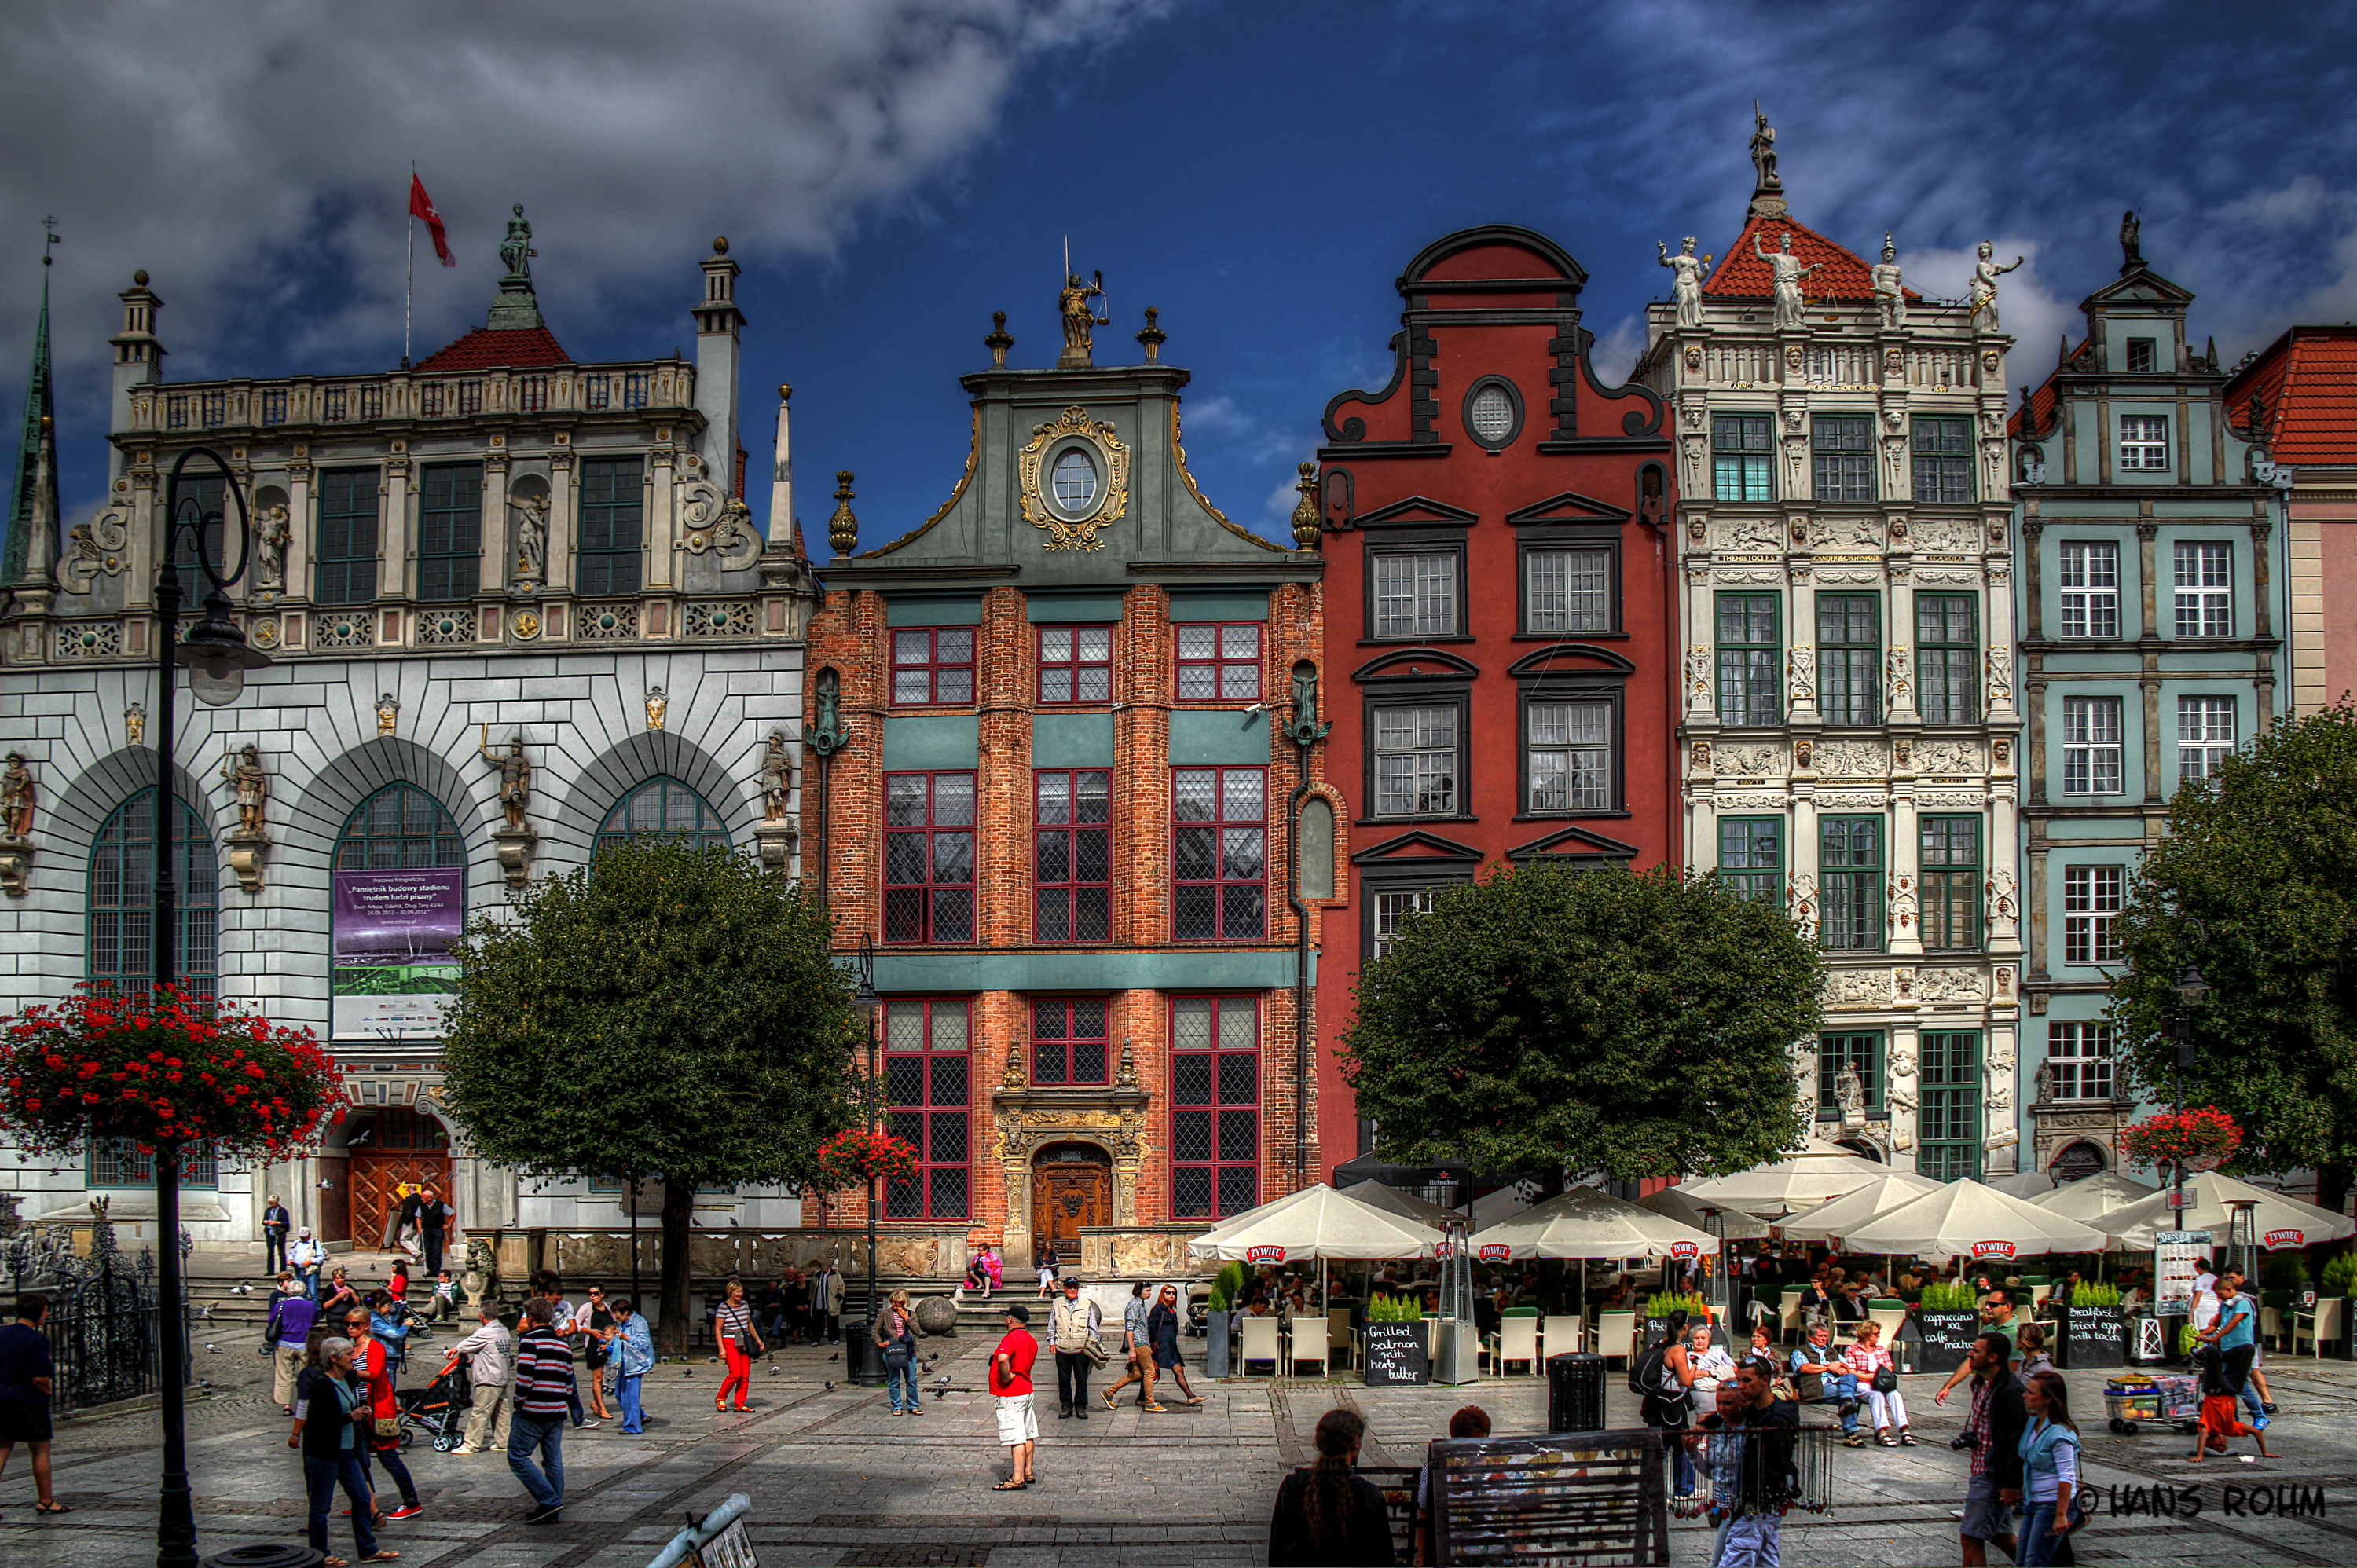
[(1947, 1339), (2093, 1336), (1397, 1353)]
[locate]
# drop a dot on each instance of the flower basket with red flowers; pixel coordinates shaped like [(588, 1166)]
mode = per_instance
[(2202, 1139), (850, 1157), (161, 1066)]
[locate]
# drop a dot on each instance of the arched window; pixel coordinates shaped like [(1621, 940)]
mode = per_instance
[(399, 826), (122, 896), (397, 899), (663, 807)]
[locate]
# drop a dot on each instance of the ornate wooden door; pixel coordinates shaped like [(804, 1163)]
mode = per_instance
[(1066, 1197), (404, 1148)]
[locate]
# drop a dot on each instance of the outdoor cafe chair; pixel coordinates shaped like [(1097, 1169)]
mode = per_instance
[(1262, 1342), (1562, 1333), (1517, 1339)]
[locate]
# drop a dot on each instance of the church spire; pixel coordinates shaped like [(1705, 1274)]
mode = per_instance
[(40, 402)]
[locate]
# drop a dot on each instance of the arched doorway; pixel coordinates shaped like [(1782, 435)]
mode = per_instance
[(2077, 1161), (1072, 1186), (1862, 1148), (396, 1147)]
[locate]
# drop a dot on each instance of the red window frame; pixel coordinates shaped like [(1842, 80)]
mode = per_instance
[(928, 1094), (1071, 855), (1215, 1132), (1219, 861), (1071, 1040), (1221, 672), (1075, 666), (927, 842), (928, 674)]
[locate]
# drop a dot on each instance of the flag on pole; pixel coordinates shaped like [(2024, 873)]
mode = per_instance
[(422, 206)]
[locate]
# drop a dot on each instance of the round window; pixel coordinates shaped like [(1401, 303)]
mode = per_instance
[(1074, 482), (1491, 413)]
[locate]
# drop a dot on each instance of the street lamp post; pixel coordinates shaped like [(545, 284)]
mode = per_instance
[(2191, 989), (869, 1365), (217, 657)]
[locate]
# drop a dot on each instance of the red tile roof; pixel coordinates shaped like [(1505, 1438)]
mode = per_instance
[(2307, 380), (483, 349), (1839, 275)]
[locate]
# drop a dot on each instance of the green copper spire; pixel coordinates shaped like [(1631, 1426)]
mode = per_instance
[(39, 406)]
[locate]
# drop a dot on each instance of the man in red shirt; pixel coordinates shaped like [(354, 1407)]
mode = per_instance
[(1010, 1385)]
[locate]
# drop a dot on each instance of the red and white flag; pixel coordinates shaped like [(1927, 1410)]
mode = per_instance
[(422, 206)]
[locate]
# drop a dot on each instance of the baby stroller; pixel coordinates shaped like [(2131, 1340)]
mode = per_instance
[(439, 1409)]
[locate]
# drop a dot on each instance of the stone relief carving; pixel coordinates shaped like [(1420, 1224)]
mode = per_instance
[(1754, 760), (2001, 676), (1946, 534), (1903, 1063), (1948, 757), (1948, 984), (97, 548), (1894, 465), (1902, 903), (1951, 798), (1898, 672), (1701, 755), (1802, 667), (1764, 576), (1859, 988), (1752, 533), (1850, 758), (1803, 748), (714, 522), (134, 724), (1698, 672), (388, 712), (2003, 910), (1861, 532), (1804, 904)]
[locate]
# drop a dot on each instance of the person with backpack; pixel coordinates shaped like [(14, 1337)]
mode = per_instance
[(1661, 1378)]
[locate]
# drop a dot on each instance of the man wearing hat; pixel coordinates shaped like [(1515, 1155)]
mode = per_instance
[(1071, 1325), (1010, 1386)]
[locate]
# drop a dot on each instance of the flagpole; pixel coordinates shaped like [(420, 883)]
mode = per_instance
[(409, 266)]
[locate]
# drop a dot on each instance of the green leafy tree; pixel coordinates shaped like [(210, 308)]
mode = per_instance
[(2255, 884), (1540, 1018), (672, 1014)]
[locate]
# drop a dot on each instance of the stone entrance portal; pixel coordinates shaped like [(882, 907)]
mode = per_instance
[(1072, 1186)]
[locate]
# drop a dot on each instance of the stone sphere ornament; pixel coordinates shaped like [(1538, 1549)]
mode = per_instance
[(937, 1315)]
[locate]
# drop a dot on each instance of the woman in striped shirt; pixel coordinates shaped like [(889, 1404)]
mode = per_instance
[(732, 1322)]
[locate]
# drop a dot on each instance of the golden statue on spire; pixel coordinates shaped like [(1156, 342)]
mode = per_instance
[(1072, 304)]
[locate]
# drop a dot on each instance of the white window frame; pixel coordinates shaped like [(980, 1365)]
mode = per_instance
[(2093, 897), (2083, 1058), (1417, 755), (2144, 443), (2093, 751), (2206, 733), (1391, 908), (1415, 594), (2089, 573), (2203, 572)]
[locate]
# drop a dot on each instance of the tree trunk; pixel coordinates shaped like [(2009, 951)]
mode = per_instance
[(2332, 1187), (678, 1209)]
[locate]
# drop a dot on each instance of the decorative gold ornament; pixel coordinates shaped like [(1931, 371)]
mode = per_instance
[(1112, 481), (265, 633), (527, 626), (657, 703)]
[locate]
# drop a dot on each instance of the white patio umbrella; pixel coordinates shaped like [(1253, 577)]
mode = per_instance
[(2089, 1198), (1851, 1209), (1421, 1210), (2032, 1185), (1818, 1172), (1586, 1222), (1493, 1206), (1316, 1222), (1964, 1218), (1732, 1224), (2278, 1221)]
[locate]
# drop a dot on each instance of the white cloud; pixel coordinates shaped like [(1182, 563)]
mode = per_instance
[(2028, 309)]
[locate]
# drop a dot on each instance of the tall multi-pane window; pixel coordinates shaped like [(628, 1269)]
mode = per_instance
[(2205, 589), (2092, 896), (2205, 735), (1073, 856), (1075, 664), (1861, 1052), (928, 858), (1739, 449), (1219, 661), (1068, 1043), (2081, 1055), (1219, 853), (927, 1075), (612, 516), (1952, 1105), (1842, 448), (1751, 661), (2144, 443), (1567, 590), (1952, 882), (1752, 856), (1415, 595), (343, 568), (123, 897), (1849, 659), (1391, 908), (1850, 864), (1214, 1106), (450, 531), (1944, 459), (932, 666), (399, 827), (1570, 757), (662, 808), (1947, 660), (2090, 579), (1416, 761), (2091, 746)]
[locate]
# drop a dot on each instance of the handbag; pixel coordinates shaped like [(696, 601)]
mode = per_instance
[(1886, 1382), (388, 1428), (1094, 1348)]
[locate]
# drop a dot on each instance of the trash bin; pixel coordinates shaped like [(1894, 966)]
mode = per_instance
[(1575, 1392)]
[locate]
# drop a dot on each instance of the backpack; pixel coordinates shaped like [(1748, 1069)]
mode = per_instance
[(1649, 1375)]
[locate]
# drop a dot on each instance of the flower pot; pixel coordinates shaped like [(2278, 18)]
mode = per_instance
[(2090, 1338), (1217, 1345), (1947, 1339)]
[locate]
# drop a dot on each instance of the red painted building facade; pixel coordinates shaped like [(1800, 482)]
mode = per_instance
[(1501, 656)]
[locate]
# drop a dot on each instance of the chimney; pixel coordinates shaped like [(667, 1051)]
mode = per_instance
[(138, 359), (718, 324)]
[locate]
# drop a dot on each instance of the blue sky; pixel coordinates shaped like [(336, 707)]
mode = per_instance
[(891, 171)]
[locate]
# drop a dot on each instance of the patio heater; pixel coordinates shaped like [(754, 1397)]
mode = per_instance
[(2243, 1239), (1457, 1340)]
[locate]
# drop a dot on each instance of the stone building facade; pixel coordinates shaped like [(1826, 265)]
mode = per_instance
[(499, 552), (1847, 703), (1052, 785), (2152, 569)]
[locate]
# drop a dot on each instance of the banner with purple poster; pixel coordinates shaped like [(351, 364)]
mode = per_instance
[(392, 969)]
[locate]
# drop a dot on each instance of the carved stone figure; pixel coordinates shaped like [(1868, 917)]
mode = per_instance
[(515, 777), (515, 249), (658, 705), (270, 550), (826, 732), (1073, 305), (1702, 757), (1754, 534), (1685, 283), (1803, 750), (1889, 296), (1849, 1090), (134, 724), (2131, 241), (1789, 271), (388, 710), (17, 797), (244, 773), (532, 539), (1985, 272), (1763, 150), (777, 777)]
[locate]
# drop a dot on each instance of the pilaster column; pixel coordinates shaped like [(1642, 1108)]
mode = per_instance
[(1801, 634), (1702, 646), (394, 529), (2041, 924), (1903, 1092), (663, 519), (2003, 909), (494, 569), (2147, 559), (302, 528), (147, 537), (1899, 638), (1906, 929), (561, 518), (1801, 854)]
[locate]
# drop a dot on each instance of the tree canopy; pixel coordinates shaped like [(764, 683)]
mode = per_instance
[(1637, 1024), (669, 1012), (2256, 885)]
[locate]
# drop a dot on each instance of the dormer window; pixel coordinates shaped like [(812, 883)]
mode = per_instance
[(2141, 356)]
